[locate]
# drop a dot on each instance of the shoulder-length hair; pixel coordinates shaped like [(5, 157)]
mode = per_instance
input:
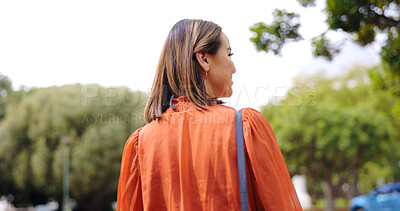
[(178, 72)]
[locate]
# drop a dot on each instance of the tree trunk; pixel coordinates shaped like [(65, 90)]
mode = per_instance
[(327, 188), (354, 189), (355, 175)]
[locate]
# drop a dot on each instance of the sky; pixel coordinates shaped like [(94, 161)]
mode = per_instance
[(118, 43)]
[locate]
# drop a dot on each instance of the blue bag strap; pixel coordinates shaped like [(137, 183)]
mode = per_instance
[(241, 160)]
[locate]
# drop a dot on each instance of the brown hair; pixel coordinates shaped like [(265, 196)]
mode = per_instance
[(178, 72)]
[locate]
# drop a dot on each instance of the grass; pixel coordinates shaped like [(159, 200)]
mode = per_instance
[(341, 204)]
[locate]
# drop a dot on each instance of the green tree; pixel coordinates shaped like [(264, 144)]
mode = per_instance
[(284, 28), (98, 119), (5, 90), (363, 19), (328, 129)]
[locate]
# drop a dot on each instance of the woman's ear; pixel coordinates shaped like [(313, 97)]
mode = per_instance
[(202, 60)]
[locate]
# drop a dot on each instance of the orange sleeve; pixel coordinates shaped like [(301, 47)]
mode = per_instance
[(272, 188), (129, 196)]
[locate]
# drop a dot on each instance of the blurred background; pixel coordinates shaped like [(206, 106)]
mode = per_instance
[(74, 80)]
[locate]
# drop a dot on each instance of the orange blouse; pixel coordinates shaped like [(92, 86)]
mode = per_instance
[(187, 160)]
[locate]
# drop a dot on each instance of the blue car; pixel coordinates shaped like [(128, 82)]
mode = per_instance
[(383, 198)]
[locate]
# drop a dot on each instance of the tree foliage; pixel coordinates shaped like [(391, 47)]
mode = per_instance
[(272, 37), (328, 129), (5, 90), (321, 46), (98, 119), (363, 19)]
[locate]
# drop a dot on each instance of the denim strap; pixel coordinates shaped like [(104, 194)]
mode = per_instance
[(241, 160)]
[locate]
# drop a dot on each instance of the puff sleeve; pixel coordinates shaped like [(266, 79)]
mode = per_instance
[(129, 196), (272, 188)]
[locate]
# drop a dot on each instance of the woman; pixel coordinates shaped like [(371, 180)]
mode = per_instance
[(185, 157)]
